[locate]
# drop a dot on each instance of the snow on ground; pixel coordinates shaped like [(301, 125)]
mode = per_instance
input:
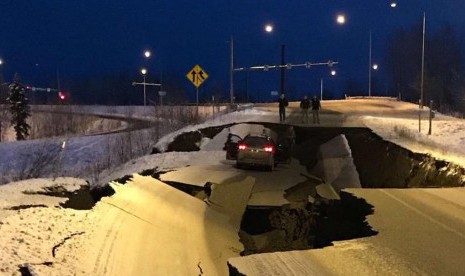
[(32, 224), (84, 156), (23, 193), (447, 140), (138, 112), (75, 156)]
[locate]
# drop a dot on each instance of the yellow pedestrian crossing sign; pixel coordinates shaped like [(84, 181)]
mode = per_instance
[(197, 75)]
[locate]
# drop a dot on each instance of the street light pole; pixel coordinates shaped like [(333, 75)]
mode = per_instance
[(144, 73), (231, 71), (321, 89), (247, 85), (369, 67), (423, 62), (144, 92)]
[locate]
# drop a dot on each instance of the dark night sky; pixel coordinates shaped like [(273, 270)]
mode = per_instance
[(92, 38)]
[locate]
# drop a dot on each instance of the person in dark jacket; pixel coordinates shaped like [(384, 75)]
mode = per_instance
[(316, 106), (283, 103), (304, 107)]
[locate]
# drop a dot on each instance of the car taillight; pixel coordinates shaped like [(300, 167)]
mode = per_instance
[(242, 146), (269, 148)]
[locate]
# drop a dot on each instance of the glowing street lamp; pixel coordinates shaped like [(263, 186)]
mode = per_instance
[(147, 54), (333, 73), (1, 61), (375, 66), (144, 73), (393, 4), (341, 19), (268, 28)]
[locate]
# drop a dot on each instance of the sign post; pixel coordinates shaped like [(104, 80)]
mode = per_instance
[(197, 76), (144, 84), (161, 93), (431, 116)]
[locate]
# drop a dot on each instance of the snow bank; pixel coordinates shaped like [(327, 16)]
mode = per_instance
[(336, 165)]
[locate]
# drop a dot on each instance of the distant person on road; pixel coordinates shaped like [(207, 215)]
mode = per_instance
[(316, 106), (304, 107), (283, 103)]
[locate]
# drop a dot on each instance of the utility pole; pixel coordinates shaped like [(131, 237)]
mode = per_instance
[(431, 116), (423, 62), (231, 71), (247, 85), (369, 67)]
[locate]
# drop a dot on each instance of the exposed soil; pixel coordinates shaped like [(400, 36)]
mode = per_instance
[(124, 179), (233, 271), (186, 142), (305, 227), (380, 164), (343, 219), (188, 189), (22, 207), (155, 173), (211, 132), (86, 198), (24, 269), (82, 199)]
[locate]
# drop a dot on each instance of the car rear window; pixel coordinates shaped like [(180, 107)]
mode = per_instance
[(256, 141)]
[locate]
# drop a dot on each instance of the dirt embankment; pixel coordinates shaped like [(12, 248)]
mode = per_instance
[(380, 164)]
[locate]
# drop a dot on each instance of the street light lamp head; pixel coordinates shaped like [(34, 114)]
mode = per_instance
[(268, 28), (143, 71), (1, 61), (333, 72), (341, 19), (375, 66), (393, 4), (147, 54)]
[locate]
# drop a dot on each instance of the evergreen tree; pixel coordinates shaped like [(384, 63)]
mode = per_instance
[(19, 108)]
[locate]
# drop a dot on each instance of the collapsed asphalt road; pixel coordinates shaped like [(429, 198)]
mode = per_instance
[(300, 225)]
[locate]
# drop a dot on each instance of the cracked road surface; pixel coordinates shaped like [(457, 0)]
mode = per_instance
[(150, 228), (421, 232)]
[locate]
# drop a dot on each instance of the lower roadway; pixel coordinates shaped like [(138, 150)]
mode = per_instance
[(421, 232)]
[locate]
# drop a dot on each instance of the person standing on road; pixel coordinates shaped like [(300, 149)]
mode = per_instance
[(316, 106), (283, 103), (304, 106)]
